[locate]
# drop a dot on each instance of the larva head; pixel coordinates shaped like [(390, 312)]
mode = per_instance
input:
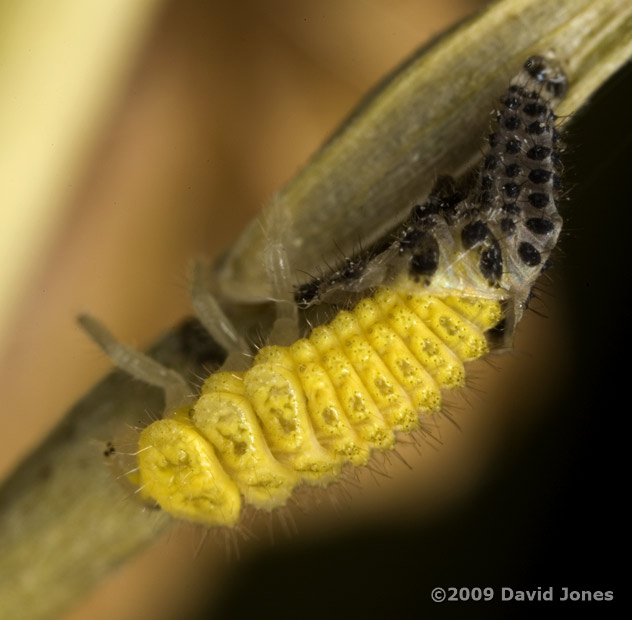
[(180, 471)]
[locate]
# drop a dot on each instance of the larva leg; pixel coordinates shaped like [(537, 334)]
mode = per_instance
[(137, 364), (215, 320)]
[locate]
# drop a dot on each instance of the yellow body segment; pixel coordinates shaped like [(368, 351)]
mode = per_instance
[(228, 421), (180, 470), (279, 401), (362, 412), (456, 332), (300, 413)]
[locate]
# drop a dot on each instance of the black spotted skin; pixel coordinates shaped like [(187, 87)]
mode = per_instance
[(493, 241), (525, 182)]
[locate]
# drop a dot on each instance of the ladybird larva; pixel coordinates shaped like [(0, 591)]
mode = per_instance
[(300, 413), (426, 302)]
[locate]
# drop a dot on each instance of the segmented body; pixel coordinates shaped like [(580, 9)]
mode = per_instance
[(301, 412), (458, 267)]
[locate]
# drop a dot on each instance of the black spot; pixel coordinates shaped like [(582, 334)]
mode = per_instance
[(473, 233), (528, 254), (444, 199), (491, 263), (539, 175), (512, 103), (453, 199), (538, 200), (507, 225), (486, 182), (512, 123), (511, 189), (511, 207), (536, 128), (491, 161), (493, 139), (535, 109), (512, 147), (425, 260), (538, 152), (540, 225), (513, 170)]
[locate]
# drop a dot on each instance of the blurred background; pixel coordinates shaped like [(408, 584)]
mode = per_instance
[(140, 135)]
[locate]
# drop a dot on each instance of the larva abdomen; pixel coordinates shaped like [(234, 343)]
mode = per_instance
[(302, 412)]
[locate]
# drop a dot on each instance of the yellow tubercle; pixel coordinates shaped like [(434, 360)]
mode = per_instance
[(332, 427), (484, 313), (362, 412), (407, 371), (381, 386), (179, 469), (463, 338), (433, 354)]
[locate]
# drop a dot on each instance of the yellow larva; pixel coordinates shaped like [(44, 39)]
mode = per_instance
[(302, 412), (459, 266)]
